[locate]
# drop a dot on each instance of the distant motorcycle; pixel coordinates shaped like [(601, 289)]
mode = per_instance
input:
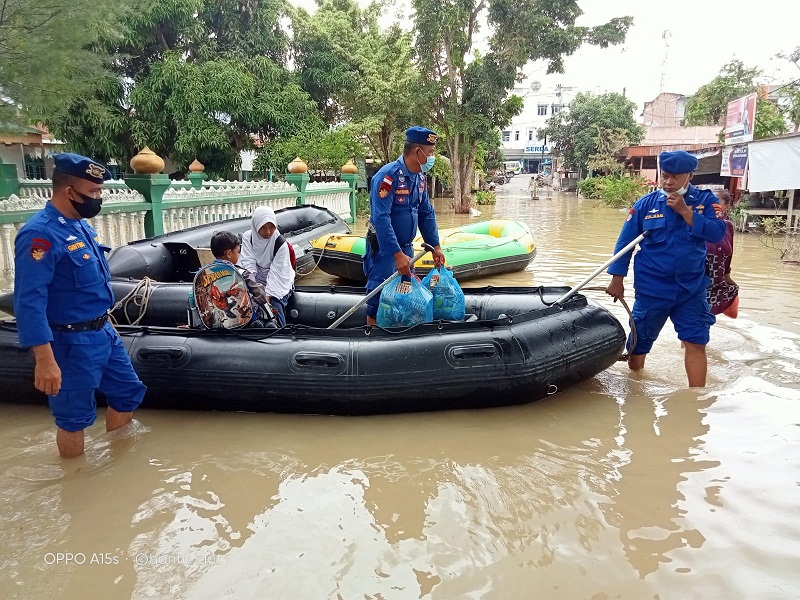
[(498, 179)]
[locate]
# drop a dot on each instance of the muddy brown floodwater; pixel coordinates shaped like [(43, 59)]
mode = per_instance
[(626, 486)]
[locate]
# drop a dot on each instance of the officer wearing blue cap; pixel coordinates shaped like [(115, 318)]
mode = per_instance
[(62, 297), (669, 270), (399, 203)]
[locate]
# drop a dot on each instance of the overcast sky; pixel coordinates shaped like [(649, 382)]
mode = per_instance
[(703, 35)]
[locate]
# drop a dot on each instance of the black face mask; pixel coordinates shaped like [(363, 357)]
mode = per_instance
[(90, 207)]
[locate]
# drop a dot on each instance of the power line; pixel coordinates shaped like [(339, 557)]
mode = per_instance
[(785, 85)]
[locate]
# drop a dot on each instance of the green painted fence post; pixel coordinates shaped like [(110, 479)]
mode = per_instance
[(196, 174), (9, 184), (298, 175), (350, 176), (150, 183)]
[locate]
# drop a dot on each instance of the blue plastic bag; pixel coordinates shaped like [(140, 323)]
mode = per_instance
[(404, 304), (448, 298)]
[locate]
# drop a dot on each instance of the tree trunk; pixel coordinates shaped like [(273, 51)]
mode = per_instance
[(463, 167), (386, 133), (453, 147)]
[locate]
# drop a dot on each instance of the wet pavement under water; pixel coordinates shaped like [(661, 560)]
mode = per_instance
[(626, 486)]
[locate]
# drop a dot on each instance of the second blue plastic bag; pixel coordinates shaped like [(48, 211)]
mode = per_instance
[(405, 304), (448, 298)]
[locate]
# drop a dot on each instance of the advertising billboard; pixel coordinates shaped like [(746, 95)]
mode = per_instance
[(734, 161), (740, 120), (738, 161)]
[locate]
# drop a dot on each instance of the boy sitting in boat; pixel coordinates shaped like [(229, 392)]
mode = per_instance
[(226, 295)]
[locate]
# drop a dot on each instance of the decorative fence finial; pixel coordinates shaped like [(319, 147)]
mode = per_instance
[(298, 165), (147, 162), (350, 167), (196, 167)]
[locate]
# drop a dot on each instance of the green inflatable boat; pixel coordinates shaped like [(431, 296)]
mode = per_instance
[(472, 251)]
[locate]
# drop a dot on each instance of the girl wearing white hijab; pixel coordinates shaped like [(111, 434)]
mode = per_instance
[(275, 273)]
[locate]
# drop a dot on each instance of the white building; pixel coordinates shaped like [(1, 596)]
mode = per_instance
[(520, 140)]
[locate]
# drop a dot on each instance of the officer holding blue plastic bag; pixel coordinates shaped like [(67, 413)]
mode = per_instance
[(62, 297), (399, 203), (670, 268)]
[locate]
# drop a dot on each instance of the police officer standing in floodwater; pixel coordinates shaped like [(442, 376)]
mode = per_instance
[(398, 203), (62, 298), (670, 268)]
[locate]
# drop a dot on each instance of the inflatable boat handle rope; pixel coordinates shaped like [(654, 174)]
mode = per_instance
[(140, 296), (625, 355), (301, 274), (628, 248), (487, 246)]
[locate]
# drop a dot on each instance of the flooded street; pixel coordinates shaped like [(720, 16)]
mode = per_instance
[(627, 486)]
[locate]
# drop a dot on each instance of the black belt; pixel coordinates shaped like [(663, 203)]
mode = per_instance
[(93, 325)]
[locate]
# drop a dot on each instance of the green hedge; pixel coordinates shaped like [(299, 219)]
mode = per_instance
[(614, 191)]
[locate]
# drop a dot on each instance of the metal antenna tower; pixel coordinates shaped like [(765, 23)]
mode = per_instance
[(665, 35)]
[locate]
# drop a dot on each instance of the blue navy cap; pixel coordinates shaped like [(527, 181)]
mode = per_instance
[(677, 162), (421, 136), (81, 167)]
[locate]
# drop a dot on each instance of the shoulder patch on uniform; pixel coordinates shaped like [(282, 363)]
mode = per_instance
[(386, 186), (39, 247)]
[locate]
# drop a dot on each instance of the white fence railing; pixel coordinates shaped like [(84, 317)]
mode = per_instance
[(123, 217)]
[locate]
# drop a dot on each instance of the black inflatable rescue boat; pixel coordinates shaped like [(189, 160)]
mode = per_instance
[(177, 256), (515, 348)]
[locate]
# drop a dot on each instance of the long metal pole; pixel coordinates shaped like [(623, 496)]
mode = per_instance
[(600, 269), (425, 249)]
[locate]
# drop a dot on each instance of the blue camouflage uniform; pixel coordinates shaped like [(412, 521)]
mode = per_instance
[(62, 279), (399, 203), (670, 268)]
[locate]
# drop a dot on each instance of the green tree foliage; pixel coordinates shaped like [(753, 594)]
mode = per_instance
[(191, 79), (580, 132), (442, 171), (614, 190), (359, 73), (490, 154), (622, 191), (589, 188), (326, 52), (469, 91), (609, 143), (45, 55), (793, 110), (323, 151), (792, 90), (769, 120), (709, 105)]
